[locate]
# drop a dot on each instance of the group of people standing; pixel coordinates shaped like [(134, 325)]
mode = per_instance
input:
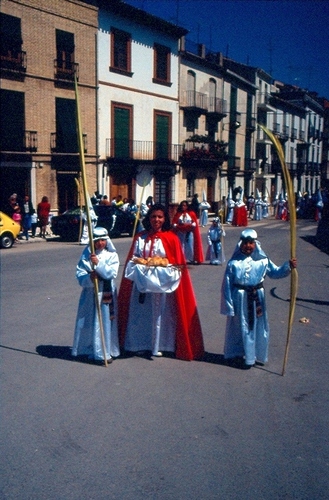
[(155, 310), (23, 212)]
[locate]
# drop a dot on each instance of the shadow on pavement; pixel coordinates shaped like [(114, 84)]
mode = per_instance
[(218, 359), (318, 243), (55, 351)]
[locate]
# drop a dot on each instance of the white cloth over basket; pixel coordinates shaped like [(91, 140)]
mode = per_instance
[(153, 279)]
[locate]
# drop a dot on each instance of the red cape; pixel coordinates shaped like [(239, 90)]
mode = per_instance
[(189, 340), (198, 250), (240, 217)]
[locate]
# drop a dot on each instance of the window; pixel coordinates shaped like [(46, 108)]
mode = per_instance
[(66, 132), (120, 52), (64, 50), (162, 190), (12, 124), (162, 134), (161, 64), (12, 57), (190, 181), (121, 130), (11, 37)]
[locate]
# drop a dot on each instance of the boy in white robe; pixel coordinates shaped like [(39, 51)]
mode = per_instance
[(103, 264), (243, 300)]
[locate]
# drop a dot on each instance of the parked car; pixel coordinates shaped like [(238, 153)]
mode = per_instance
[(116, 221), (9, 230)]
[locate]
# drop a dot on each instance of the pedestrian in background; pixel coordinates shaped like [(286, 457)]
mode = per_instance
[(27, 211), (185, 225), (43, 210), (243, 300), (215, 251), (195, 205), (34, 224), (204, 208)]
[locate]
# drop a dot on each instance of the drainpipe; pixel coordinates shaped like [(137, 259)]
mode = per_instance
[(96, 119)]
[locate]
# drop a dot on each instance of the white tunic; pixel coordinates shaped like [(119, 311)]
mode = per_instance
[(186, 238), (152, 318), (87, 336), (247, 336)]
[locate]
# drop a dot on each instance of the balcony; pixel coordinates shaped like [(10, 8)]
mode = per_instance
[(264, 101), (285, 133), (313, 168), (276, 128), (217, 108), (13, 63), (142, 150), (199, 149), (65, 71), (31, 141), (19, 141), (293, 134), (66, 145), (195, 102)]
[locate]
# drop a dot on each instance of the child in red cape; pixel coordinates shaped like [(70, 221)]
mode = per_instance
[(165, 321)]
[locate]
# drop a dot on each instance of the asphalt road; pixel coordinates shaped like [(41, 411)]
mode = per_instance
[(162, 428)]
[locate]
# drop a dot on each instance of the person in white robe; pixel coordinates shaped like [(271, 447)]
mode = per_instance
[(230, 208), (243, 300), (104, 264), (265, 209), (258, 212), (204, 209), (158, 311), (215, 251)]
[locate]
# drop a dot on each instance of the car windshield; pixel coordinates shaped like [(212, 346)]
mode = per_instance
[(73, 211)]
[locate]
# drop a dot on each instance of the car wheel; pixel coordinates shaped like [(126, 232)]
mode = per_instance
[(6, 240)]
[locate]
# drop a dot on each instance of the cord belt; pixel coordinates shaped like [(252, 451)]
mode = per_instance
[(252, 296)]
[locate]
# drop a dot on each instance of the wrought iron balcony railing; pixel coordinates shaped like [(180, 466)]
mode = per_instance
[(13, 60), (142, 150), (286, 130), (302, 135), (64, 145), (193, 152), (31, 140), (193, 100), (293, 134), (313, 168), (217, 106), (65, 70), (23, 141), (276, 128)]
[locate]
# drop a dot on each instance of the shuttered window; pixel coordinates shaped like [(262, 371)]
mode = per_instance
[(162, 134), (121, 132), (66, 132)]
